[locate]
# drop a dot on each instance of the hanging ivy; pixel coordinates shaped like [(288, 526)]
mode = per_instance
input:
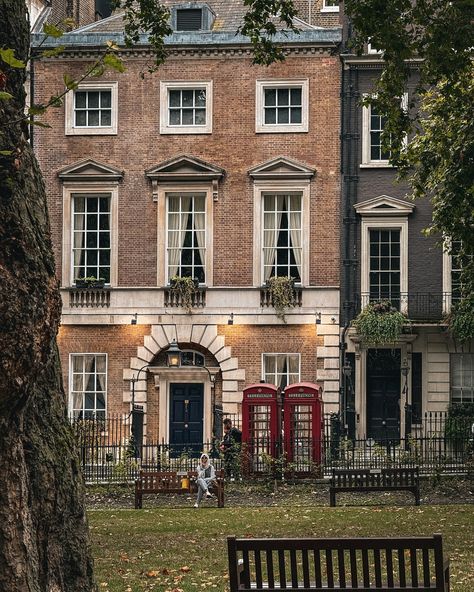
[(281, 289), (185, 288), (380, 323), (461, 319)]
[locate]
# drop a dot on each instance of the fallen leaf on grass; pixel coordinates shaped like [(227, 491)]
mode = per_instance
[(152, 573), (185, 569)]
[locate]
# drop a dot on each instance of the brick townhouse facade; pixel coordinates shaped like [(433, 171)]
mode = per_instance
[(211, 168), (384, 255)]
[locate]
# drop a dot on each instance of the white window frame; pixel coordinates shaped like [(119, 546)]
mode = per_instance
[(275, 354), (367, 162), (165, 87), (447, 277), (180, 194), (72, 130), (451, 358), (162, 214), (260, 125), (384, 223), (326, 8), (70, 189), (280, 186), (70, 381)]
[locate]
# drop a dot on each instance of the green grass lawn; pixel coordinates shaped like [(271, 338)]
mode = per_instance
[(185, 549)]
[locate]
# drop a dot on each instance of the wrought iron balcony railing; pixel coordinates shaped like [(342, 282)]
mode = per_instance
[(418, 306)]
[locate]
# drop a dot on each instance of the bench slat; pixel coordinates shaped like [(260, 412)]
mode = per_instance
[(271, 580), (294, 568), (258, 569), (317, 567), (389, 562), (281, 568)]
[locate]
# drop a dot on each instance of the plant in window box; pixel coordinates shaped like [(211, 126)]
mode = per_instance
[(282, 294), (184, 288), (90, 282), (380, 323)]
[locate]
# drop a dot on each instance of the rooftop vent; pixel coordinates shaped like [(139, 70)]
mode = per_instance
[(189, 19)]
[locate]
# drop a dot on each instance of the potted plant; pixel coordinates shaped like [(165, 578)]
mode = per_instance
[(90, 282), (281, 290), (184, 288), (380, 323)]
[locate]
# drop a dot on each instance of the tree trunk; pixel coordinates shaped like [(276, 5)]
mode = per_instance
[(44, 544)]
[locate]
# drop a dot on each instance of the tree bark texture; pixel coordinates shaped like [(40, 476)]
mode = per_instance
[(44, 544)]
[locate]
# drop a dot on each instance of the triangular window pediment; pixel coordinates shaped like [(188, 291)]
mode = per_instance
[(384, 205), (282, 168), (90, 171), (185, 168)]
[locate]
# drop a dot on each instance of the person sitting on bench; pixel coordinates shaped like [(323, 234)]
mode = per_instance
[(206, 474)]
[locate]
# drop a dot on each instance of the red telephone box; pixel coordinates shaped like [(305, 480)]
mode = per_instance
[(261, 426), (303, 415)]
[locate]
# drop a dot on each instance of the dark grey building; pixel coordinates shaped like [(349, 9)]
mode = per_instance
[(387, 390)]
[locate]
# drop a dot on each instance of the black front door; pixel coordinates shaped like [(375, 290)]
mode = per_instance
[(186, 418), (383, 394)]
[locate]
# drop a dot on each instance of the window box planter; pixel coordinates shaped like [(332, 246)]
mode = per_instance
[(89, 283)]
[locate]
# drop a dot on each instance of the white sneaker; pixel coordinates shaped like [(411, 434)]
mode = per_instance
[(196, 505), (209, 495)]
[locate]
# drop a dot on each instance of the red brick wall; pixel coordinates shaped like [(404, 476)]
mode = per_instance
[(233, 145), (247, 343)]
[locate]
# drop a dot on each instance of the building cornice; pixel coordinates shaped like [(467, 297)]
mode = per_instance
[(318, 41)]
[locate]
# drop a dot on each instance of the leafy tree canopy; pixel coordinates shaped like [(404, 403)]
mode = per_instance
[(438, 161)]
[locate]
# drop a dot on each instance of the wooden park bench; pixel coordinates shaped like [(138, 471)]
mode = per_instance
[(172, 482), (344, 565), (356, 480)]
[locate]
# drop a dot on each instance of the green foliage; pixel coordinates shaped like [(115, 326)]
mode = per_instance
[(459, 420), (260, 26), (113, 61), (146, 16), (282, 293), (8, 56), (51, 53), (184, 288), (379, 323), (438, 161), (461, 319), (52, 31), (70, 82)]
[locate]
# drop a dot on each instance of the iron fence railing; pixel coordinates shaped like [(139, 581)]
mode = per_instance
[(109, 453), (419, 306)]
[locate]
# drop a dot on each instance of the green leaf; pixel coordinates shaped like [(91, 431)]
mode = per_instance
[(52, 31), (114, 62), (6, 152), (36, 109), (38, 123), (70, 82), (8, 56), (55, 101), (4, 96), (112, 45), (51, 53), (97, 70)]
